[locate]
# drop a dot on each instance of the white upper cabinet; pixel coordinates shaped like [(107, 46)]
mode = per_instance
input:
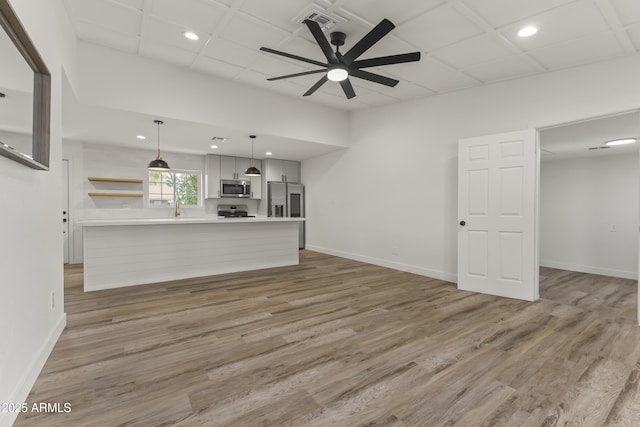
[(212, 176), (282, 170), (233, 167)]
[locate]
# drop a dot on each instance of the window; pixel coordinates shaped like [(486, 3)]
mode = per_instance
[(164, 186)]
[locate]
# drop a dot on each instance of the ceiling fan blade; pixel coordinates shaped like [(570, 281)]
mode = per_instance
[(372, 37), (376, 78), (304, 73), (289, 55), (387, 60), (322, 41), (347, 88), (316, 86)]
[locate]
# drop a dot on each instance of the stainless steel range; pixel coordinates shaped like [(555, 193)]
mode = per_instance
[(234, 211)]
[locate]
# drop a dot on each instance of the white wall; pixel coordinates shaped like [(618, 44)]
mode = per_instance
[(114, 79), (580, 201), (391, 198), (30, 226), (99, 160)]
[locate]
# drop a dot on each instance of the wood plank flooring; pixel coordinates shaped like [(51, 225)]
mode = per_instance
[(334, 342)]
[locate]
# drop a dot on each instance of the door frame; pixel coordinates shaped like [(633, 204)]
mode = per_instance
[(70, 219), (543, 126)]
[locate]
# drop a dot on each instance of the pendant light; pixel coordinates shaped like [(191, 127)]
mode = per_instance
[(252, 170), (158, 164)]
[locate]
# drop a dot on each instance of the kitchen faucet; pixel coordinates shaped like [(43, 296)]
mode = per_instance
[(176, 211)]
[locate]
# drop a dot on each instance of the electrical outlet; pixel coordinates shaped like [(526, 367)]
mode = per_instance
[(394, 250), (613, 228)]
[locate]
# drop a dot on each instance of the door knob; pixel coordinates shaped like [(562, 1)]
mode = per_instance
[(462, 223)]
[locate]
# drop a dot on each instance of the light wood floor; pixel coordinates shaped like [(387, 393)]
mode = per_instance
[(334, 342)]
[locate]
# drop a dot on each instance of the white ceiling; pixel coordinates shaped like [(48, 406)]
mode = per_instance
[(464, 43), (586, 138)]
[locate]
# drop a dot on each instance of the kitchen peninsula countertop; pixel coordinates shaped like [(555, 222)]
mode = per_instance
[(136, 251), (182, 220)]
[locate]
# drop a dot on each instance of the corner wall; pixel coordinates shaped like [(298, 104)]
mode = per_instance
[(391, 198), (30, 226)]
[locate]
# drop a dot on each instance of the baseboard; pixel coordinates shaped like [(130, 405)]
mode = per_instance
[(590, 270), (440, 275), (21, 392)]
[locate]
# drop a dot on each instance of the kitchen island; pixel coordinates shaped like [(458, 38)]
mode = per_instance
[(126, 252)]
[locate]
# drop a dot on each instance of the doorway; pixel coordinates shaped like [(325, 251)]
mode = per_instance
[(65, 211), (588, 213)]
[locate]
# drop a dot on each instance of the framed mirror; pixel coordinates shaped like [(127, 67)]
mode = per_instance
[(25, 95)]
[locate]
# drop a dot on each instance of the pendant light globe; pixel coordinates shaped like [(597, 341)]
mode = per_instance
[(252, 170), (158, 164)]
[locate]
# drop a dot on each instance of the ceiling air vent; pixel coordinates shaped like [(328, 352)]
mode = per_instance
[(316, 13)]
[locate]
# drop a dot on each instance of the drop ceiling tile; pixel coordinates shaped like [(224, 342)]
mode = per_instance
[(373, 98), (576, 52), (230, 52), (135, 4), (217, 68), (109, 15), (193, 15), (165, 33), (254, 78), (559, 25), (169, 54), (504, 12), (437, 28), (433, 76), (501, 69), (301, 47), (363, 9), (475, 50), (272, 11), (274, 67), (252, 33), (102, 36), (634, 34), (627, 10)]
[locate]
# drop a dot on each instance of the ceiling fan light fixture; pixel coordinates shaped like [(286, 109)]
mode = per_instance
[(337, 74), (158, 164)]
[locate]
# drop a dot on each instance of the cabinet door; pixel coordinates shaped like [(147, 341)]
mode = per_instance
[(242, 164), (291, 170), (256, 182), (228, 167), (212, 176), (273, 170)]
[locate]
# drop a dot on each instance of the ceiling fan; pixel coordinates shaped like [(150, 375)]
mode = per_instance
[(340, 67)]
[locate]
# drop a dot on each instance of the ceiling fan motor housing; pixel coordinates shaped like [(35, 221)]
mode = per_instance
[(337, 38)]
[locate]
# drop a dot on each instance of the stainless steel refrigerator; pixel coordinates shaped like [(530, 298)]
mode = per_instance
[(286, 199)]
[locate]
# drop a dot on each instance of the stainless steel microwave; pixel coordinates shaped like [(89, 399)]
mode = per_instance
[(235, 188)]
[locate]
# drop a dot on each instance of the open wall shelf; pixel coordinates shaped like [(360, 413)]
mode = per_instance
[(129, 180), (114, 195)]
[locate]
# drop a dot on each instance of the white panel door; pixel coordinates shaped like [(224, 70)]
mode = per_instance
[(497, 179)]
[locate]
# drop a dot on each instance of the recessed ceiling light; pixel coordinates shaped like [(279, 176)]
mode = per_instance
[(141, 137), (214, 146), (191, 35), (620, 141), (527, 31), (269, 153)]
